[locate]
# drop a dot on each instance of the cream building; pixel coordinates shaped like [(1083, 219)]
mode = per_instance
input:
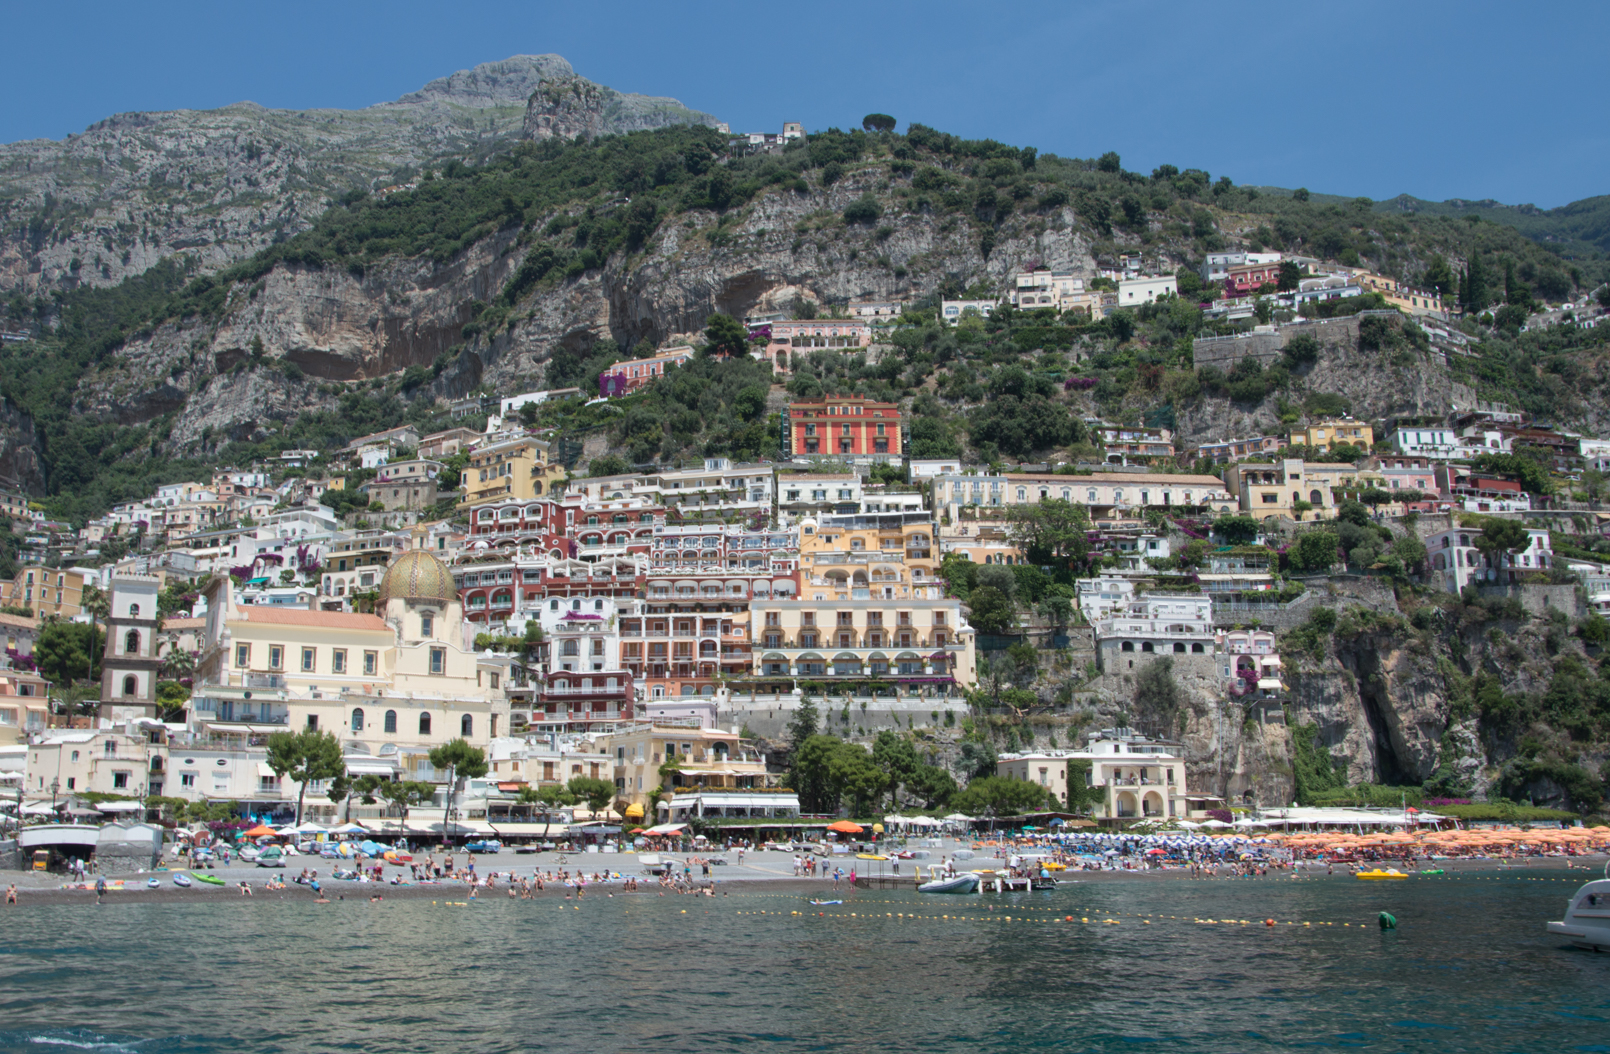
[(1269, 489), (1329, 433), (391, 685), (1140, 778), (714, 774), (888, 556), (905, 643), (1109, 495)]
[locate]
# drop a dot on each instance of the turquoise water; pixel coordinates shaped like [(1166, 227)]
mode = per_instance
[(1469, 969)]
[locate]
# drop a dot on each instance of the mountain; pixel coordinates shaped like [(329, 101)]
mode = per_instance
[(1580, 229), (219, 185)]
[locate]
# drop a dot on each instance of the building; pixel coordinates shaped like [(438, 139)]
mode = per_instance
[(716, 489), (1172, 624), (811, 493), (47, 591), (797, 338), (1237, 569), (126, 762), (1235, 449), (626, 377), (1441, 444), (1109, 495), (877, 310), (438, 445), (1480, 492), (847, 427), (1407, 298), (953, 311), (1245, 279), (910, 644), (1036, 289), (130, 668), (409, 485), (24, 705), (1266, 490), (513, 403), (1144, 289), (1252, 664), (518, 469), (391, 438), (888, 556), (390, 686), (1333, 432), (1140, 778), (982, 541), (1407, 473), (1456, 562), (1123, 442), (929, 468), (704, 762), (1216, 266), (357, 565)]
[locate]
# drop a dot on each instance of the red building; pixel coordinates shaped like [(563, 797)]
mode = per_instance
[(623, 378), (1246, 279), (844, 427)]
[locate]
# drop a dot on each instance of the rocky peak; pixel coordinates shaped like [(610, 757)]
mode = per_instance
[(566, 106), (509, 82)]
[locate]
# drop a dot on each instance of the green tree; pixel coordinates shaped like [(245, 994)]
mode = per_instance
[(305, 756), (808, 774), (1476, 286), (597, 793), (459, 759), (976, 759), (894, 756), (1313, 551), (1532, 475), (405, 794), (878, 122), (934, 786), (805, 722), (67, 651), (726, 335), (1157, 694), (1082, 797), (1439, 276), (854, 775), (1290, 276), (1053, 533), (1002, 796), (1237, 530), (991, 611), (1500, 537), (608, 465)]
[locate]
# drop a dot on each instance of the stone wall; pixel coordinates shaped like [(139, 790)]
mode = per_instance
[(1539, 599), (1224, 352), (769, 717)]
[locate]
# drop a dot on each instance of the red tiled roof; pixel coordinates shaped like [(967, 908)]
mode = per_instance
[(321, 619)]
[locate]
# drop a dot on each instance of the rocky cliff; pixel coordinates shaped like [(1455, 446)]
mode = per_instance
[(218, 185)]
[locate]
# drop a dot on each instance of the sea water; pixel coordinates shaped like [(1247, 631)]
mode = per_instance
[(1161, 964)]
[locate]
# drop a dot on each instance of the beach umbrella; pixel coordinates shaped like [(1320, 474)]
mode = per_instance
[(262, 830), (845, 827)]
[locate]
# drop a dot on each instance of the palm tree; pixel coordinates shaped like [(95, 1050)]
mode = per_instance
[(99, 607)]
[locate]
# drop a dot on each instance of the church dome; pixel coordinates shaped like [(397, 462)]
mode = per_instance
[(417, 575)]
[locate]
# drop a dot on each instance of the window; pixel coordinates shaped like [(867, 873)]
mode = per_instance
[(427, 624), (187, 779), (338, 660), (466, 725), (371, 659), (131, 686), (424, 724), (391, 722), (313, 722), (276, 657), (134, 609), (438, 660), (357, 720), (308, 660), (243, 656), (131, 642), (120, 780)]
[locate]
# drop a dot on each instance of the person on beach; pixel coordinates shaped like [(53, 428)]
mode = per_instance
[(11, 893), (245, 889), (100, 888)]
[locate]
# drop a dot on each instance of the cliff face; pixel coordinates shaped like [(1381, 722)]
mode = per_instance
[(567, 106), (218, 185)]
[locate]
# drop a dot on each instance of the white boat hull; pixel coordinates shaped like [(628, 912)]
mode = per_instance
[(960, 884), (1587, 917)]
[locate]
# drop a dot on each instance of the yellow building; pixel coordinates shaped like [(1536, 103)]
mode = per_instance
[(1266, 489), (390, 685), (906, 644), (24, 705), (47, 591), (1329, 433), (512, 470), (889, 556), (705, 759)]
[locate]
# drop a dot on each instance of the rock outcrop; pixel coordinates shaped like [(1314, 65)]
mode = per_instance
[(568, 106)]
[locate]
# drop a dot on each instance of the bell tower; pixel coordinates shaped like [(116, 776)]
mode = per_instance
[(130, 667)]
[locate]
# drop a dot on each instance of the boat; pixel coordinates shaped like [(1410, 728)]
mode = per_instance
[(152, 883), (825, 903), (1431, 871), (967, 883), (182, 879), (211, 880), (1378, 874), (1587, 916)]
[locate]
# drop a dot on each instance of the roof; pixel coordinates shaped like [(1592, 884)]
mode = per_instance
[(183, 623), (1161, 479), (19, 622), (276, 616)]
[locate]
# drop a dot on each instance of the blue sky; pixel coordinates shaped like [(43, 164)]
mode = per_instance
[(1439, 100)]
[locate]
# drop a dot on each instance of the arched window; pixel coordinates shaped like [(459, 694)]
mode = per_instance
[(131, 642), (466, 725), (134, 611), (357, 719), (424, 724), (131, 685), (391, 722), (1316, 498), (598, 605)]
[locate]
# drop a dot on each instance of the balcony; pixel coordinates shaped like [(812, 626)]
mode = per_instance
[(265, 680), (572, 690)]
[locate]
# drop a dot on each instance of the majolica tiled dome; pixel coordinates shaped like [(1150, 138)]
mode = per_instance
[(417, 575)]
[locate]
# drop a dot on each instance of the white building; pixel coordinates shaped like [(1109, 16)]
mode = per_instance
[(1100, 597), (1170, 624), (929, 468), (1143, 289), (1141, 778), (1457, 563), (951, 311), (1439, 443)]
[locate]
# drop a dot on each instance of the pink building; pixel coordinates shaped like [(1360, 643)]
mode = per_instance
[(789, 340), (623, 378), (1246, 279)]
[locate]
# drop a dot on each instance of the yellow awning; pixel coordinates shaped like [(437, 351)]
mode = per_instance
[(634, 812)]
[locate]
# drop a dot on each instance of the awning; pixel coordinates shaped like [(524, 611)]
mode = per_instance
[(729, 800), (666, 828), (512, 788), (361, 766), (634, 812), (265, 770), (120, 806), (1271, 684)]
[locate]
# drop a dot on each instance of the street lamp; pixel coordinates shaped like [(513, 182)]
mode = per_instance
[(55, 786)]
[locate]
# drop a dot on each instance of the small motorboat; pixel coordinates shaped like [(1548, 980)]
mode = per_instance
[(825, 903), (182, 880), (966, 883), (1587, 916), (1431, 871), (211, 880), (1378, 874), (152, 883)]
